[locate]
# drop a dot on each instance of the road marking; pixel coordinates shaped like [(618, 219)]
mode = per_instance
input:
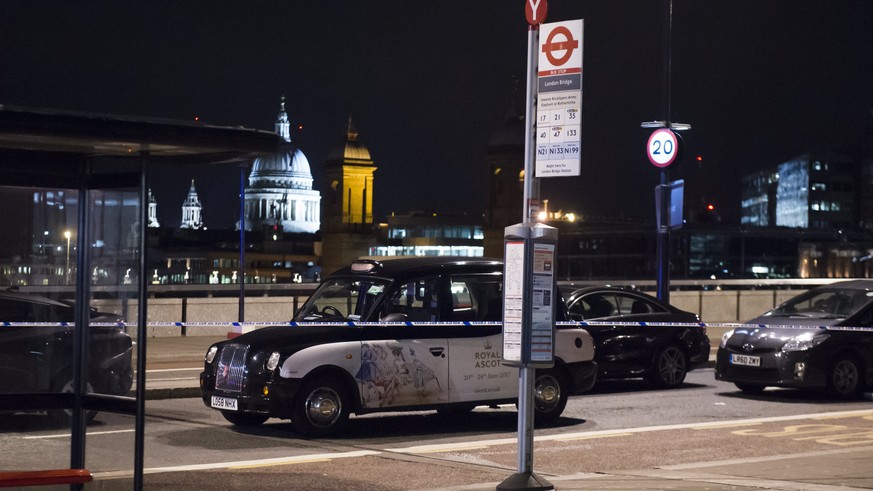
[(727, 425), (286, 462), (758, 459), (588, 437), (448, 447), (67, 435), (793, 430), (452, 447), (242, 463)]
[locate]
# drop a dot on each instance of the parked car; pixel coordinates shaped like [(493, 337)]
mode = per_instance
[(39, 358), (642, 342), (318, 372), (820, 339)]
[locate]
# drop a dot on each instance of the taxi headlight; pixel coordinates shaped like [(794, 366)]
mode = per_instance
[(725, 337), (210, 355), (804, 341), (272, 361)]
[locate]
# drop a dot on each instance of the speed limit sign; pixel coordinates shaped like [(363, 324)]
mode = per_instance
[(662, 147)]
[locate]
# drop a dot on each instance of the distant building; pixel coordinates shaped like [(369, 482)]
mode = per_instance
[(192, 210), (759, 198), (865, 197), (815, 191), (153, 211), (430, 234), (504, 161), (279, 195)]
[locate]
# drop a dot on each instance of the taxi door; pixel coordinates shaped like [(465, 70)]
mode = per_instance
[(405, 365), (477, 372)]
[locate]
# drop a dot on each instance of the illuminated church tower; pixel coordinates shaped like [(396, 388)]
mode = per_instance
[(349, 175), (192, 210), (347, 215)]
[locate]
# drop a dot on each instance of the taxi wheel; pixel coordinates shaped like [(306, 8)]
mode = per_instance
[(845, 378), (668, 367), (64, 383), (322, 407), (244, 419), (551, 391)]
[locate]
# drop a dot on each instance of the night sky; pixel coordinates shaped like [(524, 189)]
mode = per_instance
[(427, 83)]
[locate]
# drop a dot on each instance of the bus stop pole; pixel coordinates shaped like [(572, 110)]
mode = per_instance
[(531, 193), (525, 478)]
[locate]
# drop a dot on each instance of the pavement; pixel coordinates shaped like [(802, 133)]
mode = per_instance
[(842, 468)]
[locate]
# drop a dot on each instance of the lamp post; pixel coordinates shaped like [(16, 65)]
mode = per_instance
[(67, 234)]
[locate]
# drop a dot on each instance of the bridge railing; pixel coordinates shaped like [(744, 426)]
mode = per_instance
[(716, 301)]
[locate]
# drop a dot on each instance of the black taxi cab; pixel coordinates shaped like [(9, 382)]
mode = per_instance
[(393, 334)]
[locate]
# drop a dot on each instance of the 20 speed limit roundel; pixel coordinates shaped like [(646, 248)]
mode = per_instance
[(662, 148)]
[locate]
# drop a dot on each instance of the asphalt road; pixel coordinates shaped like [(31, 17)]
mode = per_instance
[(618, 427)]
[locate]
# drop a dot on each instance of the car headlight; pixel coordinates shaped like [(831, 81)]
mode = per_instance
[(804, 341), (272, 361), (210, 355), (725, 337)]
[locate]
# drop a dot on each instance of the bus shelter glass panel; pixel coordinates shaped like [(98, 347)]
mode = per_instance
[(40, 256), (113, 277)]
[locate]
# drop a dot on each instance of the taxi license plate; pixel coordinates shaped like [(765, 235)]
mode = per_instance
[(226, 403), (746, 360)]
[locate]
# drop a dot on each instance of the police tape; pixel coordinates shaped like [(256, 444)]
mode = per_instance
[(254, 325)]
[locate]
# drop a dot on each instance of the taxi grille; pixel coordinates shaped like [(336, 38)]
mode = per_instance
[(231, 370)]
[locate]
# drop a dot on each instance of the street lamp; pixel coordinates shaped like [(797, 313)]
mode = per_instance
[(67, 234)]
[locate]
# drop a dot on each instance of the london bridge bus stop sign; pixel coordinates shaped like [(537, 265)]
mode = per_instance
[(559, 101)]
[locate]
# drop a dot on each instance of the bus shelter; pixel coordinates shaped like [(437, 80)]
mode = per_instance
[(74, 195)]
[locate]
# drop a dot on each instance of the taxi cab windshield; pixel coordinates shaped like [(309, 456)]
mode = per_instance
[(342, 299)]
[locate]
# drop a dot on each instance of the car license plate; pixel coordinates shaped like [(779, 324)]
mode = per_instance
[(749, 361), (226, 403)]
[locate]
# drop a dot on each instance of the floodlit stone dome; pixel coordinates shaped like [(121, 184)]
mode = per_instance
[(288, 168), (279, 192)]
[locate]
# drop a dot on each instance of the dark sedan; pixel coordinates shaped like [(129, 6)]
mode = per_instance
[(38, 358), (635, 335), (820, 339)]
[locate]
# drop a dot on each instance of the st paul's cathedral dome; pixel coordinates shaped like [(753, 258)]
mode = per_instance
[(279, 192)]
